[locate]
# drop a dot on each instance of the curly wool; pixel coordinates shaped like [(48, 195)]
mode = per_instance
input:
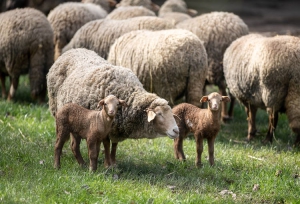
[(264, 72), (145, 3), (99, 35), (170, 63), (125, 12), (67, 18), (26, 46), (217, 30), (90, 78)]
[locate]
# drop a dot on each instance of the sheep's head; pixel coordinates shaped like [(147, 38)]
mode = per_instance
[(110, 105), (214, 100), (160, 113)]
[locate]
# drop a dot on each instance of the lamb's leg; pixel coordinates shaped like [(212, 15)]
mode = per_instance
[(75, 145), (211, 150), (273, 119), (62, 135), (251, 113), (199, 148), (106, 144), (3, 89), (178, 149), (93, 153), (113, 153), (14, 82)]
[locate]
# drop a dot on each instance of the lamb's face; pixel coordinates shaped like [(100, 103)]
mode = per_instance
[(214, 100), (110, 105), (163, 121)]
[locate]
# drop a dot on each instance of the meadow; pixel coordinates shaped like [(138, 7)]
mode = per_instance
[(147, 172)]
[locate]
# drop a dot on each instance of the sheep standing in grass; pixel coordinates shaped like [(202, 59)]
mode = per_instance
[(204, 123), (99, 35), (264, 72), (81, 76), (91, 125), (171, 63), (217, 30), (145, 3), (108, 5), (67, 18), (26, 46), (125, 12)]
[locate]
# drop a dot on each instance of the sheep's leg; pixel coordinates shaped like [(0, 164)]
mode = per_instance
[(75, 146), (251, 113), (113, 153), (62, 135), (199, 148), (3, 89), (93, 153), (178, 149), (231, 106), (273, 119), (211, 150), (14, 82), (106, 144), (225, 116)]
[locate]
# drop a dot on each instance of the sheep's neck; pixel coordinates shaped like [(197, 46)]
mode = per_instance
[(213, 116)]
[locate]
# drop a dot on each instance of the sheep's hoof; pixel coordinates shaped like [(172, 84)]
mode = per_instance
[(198, 164), (57, 167)]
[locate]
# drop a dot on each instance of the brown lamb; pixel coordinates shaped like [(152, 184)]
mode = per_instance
[(204, 123), (92, 125)]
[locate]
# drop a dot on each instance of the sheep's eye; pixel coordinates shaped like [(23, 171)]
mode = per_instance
[(105, 104)]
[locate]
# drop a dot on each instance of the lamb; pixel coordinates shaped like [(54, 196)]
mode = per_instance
[(263, 72), (204, 123), (81, 76), (171, 63), (26, 47), (125, 12), (217, 30), (107, 5), (91, 125), (67, 18), (99, 35), (145, 3)]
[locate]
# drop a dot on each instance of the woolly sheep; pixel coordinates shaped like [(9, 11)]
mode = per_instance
[(68, 17), (204, 123), (99, 35), (81, 76), (125, 12), (217, 30), (26, 46), (171, 63), (264, 72), (108, 5), (91, 125), (145, 3)]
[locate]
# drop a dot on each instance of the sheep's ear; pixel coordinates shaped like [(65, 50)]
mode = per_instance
[(154, 7), (123, 103), (101, 103), (112, 3), (192, 12), (225, 98), (204, 99), (151, 114)]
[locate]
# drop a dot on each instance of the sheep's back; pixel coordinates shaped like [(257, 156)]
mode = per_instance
[(125, 12)]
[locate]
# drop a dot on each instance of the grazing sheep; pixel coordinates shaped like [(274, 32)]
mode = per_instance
[(145, 3), (91, 125), (26, 46), (125, 12), (68, 17), (264, 72), (171, 63), (108, 5), (88, 77), (99, 35), (204, 123), (217, 30)]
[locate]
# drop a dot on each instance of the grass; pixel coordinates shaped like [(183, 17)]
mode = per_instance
[(147, 171)]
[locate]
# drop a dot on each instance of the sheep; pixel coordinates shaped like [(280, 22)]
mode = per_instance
[(264, 72), (67, 18), (171, 63), (125, 12), (204, 123), (99, 35), (176, 10), (217, 30), (26, 47), (145, 3), (108, 5), (88, 77), (91, 125)]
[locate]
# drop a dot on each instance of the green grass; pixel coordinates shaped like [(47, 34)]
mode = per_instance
[(147, 171)]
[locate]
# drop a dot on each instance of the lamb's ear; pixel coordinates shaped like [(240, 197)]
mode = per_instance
[(204, 99), (100, 104), (225, 98), (123, 103)]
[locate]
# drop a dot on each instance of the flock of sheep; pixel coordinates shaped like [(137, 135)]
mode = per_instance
[(147, 58)]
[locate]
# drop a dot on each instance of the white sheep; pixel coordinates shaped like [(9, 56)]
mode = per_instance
[(204, 123), (125, 12), (264, 72), (108, 5), (145, 3)]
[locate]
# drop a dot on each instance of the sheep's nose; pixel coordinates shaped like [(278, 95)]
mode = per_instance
[(176, 130), (111, 112)]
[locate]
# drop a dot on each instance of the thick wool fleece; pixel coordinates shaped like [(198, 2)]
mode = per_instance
[(26, 46), (105, 4), (169, 6), (217, 30), (99, 35), (88, 80), (125, 12), (145, 3), (171, 63), (265, 72)]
